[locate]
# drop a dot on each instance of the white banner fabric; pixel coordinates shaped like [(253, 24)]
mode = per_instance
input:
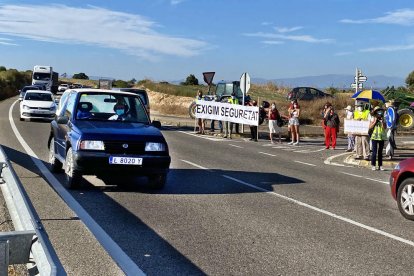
[(356, 127), (248, 115)]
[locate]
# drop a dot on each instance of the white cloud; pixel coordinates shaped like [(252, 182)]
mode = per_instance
[(176, 2), (7, 42), (266, 23), (343, 54), (390, 48), (130, 33), (287, 30), (403, 17), (273, 42), (301, 38)]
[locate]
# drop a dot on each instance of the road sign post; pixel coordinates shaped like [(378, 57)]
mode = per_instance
[(244, 87)]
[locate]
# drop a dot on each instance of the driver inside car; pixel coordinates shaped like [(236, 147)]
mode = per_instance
[(121, 110)]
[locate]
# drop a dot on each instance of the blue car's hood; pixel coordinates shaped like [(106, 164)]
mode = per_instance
[(117, 131)]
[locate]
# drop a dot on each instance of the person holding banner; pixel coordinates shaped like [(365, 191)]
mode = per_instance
[(361, 141), (253, 129), (201, 122), (229, 125), (349, 115)]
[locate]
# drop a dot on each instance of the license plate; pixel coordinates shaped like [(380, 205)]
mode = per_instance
[(125, 160)]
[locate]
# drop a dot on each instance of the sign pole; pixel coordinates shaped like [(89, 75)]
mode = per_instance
[(258, 120)]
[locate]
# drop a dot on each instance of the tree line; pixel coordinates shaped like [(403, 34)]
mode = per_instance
[(11, 80)]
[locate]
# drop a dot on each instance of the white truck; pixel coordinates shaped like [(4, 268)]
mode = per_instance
[(44, 75)]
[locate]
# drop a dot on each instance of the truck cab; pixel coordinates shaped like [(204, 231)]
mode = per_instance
[(224, 89)]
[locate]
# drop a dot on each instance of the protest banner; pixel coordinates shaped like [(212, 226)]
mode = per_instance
[(356, 127), (234, 113)]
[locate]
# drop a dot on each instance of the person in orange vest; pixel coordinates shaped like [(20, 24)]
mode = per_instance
[(361, 141)]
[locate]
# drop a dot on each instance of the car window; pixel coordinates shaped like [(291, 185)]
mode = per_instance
[(102, 107), (43, 97), (301, 92), (70, 105)]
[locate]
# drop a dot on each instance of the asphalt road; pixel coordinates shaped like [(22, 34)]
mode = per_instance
[(229, 207)]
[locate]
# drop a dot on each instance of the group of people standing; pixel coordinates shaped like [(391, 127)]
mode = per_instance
[(371, 146), (368, 147), (276, 122)]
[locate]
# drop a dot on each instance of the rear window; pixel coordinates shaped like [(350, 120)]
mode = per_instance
[(141, 93), (43, 97)]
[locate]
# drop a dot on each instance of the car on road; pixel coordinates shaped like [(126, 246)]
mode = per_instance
[(62, 87), (402, 187), (37, 104), (107, 133), (22, 91), (140, 92), (307, 94)]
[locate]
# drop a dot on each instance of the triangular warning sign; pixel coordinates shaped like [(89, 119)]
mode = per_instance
[(208, 77)]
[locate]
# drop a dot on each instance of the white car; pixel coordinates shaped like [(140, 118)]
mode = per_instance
[(38, 104), (63, 87)]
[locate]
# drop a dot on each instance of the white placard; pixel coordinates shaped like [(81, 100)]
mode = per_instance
[(235, 113), (356, 127)]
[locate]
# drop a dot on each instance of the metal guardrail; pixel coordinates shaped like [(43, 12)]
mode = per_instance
[(29, 233)]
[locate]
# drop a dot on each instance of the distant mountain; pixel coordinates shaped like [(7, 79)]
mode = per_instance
[(337, 81)]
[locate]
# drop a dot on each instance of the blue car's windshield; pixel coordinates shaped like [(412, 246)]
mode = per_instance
[(111, 107)]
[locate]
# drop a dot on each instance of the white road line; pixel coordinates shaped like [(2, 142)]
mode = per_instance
[(309, 150), (236, 146), (265, 153), (197, 166), (322, 211), (300, 162), (328, 161), (113, 249), (202, 137), (367, 178)]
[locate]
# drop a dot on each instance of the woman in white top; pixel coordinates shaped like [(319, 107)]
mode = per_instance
[(294, 113)]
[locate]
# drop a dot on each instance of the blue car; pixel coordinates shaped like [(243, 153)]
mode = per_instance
[(106, 133)]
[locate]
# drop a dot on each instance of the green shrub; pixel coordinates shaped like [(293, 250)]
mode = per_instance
[(11, 81)]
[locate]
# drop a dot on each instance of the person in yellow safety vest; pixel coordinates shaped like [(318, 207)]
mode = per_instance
[(229, 125), (378, 136), (201, 122), (361, 141)]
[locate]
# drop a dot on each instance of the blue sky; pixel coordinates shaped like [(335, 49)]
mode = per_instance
[(170, 39)]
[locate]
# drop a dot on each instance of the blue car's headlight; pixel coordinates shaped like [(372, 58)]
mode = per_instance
[(150, 146), (92, 145)]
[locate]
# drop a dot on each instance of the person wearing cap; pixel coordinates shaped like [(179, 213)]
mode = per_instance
[(349, 115), (361, 141), (378, 136), (332, 127)]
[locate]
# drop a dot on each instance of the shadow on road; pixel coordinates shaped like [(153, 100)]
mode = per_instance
[(122, 210)]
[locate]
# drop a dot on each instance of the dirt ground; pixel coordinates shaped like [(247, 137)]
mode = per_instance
[(169, 104)]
